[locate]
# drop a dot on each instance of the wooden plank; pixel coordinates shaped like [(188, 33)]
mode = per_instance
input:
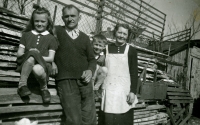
[(8, 58), (9, 78), (177, 93), (154, 117), (157, 121), (170, 116), (176, 89), (144, 115), (50, 121), (180, 97), (179, 113), (8, 64), (11, 91), (172, 85), (145, 112), (9, 73), (185, 120), (33, 98), (181, 101), (155, 107), (30, 115), (29, 108), (8, 52)]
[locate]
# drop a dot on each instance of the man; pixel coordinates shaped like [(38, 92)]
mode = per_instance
[(75, 64)]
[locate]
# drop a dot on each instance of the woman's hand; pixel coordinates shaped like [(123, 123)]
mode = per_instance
[(130, 98)]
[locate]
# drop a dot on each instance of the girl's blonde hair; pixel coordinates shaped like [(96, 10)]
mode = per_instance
[(40, 10)]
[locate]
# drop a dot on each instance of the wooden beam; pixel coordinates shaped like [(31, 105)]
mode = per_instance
[(185, 120), (179, 113), (33, 98), (29, 108), (180, 97), (181, 101), (11, 91), (176, 89), (177, 93), (170, 116), (30, 115)]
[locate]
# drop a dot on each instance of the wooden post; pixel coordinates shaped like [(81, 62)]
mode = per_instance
[(161, 37), (99, 17), (54, 14)]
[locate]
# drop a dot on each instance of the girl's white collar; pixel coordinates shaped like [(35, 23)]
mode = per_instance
[(43, 33)]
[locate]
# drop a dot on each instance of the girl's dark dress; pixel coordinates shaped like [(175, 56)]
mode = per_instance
[(43, 42)]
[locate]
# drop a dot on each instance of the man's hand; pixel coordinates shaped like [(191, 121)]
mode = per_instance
[(54, 69), (130, 98), (34, 49), (86, 76)]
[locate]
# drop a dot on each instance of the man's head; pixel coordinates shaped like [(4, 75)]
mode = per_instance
[(99, 43), (71, 16)]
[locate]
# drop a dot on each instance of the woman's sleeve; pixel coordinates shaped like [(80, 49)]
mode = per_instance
[(133, 68)]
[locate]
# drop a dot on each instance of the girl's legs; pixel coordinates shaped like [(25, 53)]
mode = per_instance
[(41, 75), (25, 72)]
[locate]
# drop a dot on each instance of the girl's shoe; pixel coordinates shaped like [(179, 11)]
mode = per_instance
[(23, 91), (46, 96)]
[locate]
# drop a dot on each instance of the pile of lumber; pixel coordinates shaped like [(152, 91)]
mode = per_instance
[(10, 33), (12, 107), (151, 115)]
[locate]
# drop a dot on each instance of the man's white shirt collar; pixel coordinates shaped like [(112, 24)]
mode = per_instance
[(43, 33), (73, 33)]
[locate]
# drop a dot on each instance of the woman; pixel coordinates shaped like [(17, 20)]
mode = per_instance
[(119, 88)]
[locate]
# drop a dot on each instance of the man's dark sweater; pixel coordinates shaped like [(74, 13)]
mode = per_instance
[(73, 56)]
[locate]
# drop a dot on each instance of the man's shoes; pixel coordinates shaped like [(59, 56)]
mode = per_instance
[(46, 96), (23, 91)]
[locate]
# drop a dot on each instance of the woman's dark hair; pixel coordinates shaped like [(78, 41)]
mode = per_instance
[(126, 26), (39, 10)]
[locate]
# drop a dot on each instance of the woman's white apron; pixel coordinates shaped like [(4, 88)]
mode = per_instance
[(116, 86)]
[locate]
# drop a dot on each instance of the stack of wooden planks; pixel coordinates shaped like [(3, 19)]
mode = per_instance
[(151, 115), (12, 107)]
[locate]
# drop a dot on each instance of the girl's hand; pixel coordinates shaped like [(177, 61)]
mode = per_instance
[(130, 98), (34, 49)]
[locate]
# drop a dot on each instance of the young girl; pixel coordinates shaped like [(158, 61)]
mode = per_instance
[(36, 52)]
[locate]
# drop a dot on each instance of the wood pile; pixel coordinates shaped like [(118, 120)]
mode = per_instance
[(12, 107), (151, 115)]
